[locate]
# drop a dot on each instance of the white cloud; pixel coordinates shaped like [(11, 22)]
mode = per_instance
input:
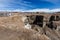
[(34, 10), (42, 10), (5, 4), (52, 1), (39, 10)]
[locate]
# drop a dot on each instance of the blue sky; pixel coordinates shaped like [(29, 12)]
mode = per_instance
[(29, 4)]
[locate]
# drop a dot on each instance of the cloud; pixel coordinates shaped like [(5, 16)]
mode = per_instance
[(44, 10), (52, 1), (34, 10), (21, 5), (38, 10), (14, 4)]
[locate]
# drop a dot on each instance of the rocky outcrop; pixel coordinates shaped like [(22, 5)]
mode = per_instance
[(45, 25), (30, 27)]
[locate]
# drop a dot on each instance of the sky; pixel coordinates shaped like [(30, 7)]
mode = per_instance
[(30, 5)]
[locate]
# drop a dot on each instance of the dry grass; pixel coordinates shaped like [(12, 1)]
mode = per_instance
[(8, 26), (11, 22), (21, 34)]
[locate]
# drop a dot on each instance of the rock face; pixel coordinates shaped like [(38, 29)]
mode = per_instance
[(30, 26), (47, 24)]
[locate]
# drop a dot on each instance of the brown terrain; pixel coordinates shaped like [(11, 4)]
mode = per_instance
[(29, 26)]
